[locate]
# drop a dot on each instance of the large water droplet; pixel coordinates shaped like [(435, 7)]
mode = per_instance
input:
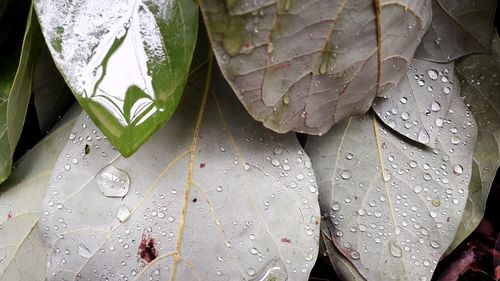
[(435, 244), (355, 255), (275, 271), (395, 250), (432, 74), (346, 174), (435, 106), (423, 136), (123, 213), (458, 170), (113, 182), (83, 251)]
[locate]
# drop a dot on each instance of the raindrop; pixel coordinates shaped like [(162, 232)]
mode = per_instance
[(278, 150), (246, 167), (83, 251), (346, 174), (435, 106), (436, 202), (251, 271), (423, 136), (455, 139), (336, 206), (432, 74), (417, 189), (439, 122), (435, 244), (405, 116), (300, 176), (72, 136), (286, 99), (113, 182), (355, 255), (395, 250), (349, 156), (275, 162), (123, 213), (458, 170), (447, 90), (308, 257), (403, 100)]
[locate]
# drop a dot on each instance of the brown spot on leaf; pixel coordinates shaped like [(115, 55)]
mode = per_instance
[(147, 249), (286, 240), (202, 165)]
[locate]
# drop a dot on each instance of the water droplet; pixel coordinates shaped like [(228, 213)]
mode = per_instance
[(435, 106), (395, 250), (72, 136), (405, 116), (403, 100), (300, 176), (435, 244), (308, 256), (355, 255), (83, 251), (349, 156), (251, 271), (439, 122), (458, 170), (447, 90), (278, 150), (218, 188), (423, 136), (346, 174), (286, 99), (432, 74), (67, 167), (123, 213), (113, 182), (455, 139), (436, 202), (336, 206), (324, 66), (246, 167), (417, 189), (275, 162)]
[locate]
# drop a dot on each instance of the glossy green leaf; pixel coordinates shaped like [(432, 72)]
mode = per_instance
[(391, 204), (459, 27), (22, 253), (52, 96), (212, 195), (306, 65), (126, 61), (15, 89), (480, 79), (418, 107)]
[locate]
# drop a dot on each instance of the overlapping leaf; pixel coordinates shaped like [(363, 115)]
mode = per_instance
[(480, 79), (22, 253), (212, 196), (393, 205), (15, 89), (459, 27), (419, 105), (305, 65), (126, 61)]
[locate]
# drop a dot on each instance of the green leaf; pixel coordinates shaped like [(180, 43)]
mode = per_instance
[(22, 253), (52, 96), (306, 65), (459, 28), (213, 195), (108, 52), (393, 205), (418, 107), (480, 79), (15, 89)]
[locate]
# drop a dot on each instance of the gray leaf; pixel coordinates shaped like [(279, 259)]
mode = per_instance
[(306, 65), (480, 76), (459, 28), (393, 205), (421, 101), (22, 253), (212, 196)]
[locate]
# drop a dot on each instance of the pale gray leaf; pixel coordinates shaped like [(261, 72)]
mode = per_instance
[(306, 65), (393, 205), (22, 253), (479, 76), (459, 28), (419, 105), (212, 196)]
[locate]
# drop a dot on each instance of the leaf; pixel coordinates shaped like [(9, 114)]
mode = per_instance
[(22, 253), (105, 49), (51, 94), (213, 195), (393, 205), (459, 28), (306, 65), (480, 76), (343, 267), (15, 89), (420, 103)]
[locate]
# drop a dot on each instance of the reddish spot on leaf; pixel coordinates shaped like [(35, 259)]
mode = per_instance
[(202, 165), (147, 249), (9, 215), (286, 240), (247, 44)]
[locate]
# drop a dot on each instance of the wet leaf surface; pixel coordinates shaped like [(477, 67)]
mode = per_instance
[(22, 253), (459, 28), (306, 65), (126, 61), (419, 105), (393, 205), (479, 77), (212, 196)]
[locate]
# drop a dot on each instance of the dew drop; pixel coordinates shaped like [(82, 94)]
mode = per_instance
[(395, 250), (355, 255), (458, 170), (123, 213), (251, 271), (432, 74), (423, 136), (349, 156), (417, 189), (435, 106), (435, 244), (72, 136), (83, 251), (113, 182), (455, 139), (336, 206), (278, 150), (346, 174)]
